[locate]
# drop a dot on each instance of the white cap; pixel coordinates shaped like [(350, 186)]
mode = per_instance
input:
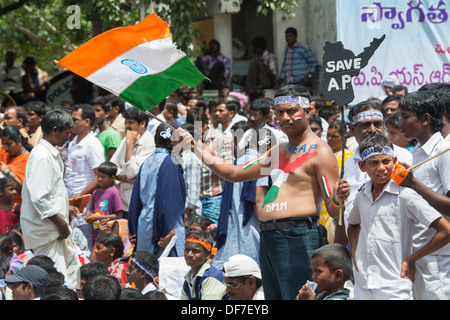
[(241, 265)]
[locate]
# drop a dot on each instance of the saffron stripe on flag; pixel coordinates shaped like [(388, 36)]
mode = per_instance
[(105, 47)]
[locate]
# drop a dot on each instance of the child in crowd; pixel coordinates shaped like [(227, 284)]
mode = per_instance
[(9, 210), (332, 268), (108, 249), (142, 271), (395, 133), (203, 281), (381, 224), (105, 202), (88, 271), (6, 249)]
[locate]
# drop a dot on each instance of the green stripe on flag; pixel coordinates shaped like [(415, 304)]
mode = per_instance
[(147, 91), (271, 195)]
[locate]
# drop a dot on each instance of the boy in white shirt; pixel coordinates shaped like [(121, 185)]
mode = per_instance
[(381, 226)]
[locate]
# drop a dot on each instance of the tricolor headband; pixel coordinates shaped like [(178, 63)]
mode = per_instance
[(302, 101), (367, 115), (203, 242), (373, 152)]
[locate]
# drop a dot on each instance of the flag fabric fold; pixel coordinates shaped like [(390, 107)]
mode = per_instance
[(138, 63)]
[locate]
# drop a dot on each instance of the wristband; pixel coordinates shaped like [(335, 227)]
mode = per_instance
[(9, 171), (335, 204)]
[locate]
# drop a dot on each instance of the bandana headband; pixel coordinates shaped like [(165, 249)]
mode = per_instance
[(151, 273), (204, 243), (367, 115), (373, 152), (302, 101)]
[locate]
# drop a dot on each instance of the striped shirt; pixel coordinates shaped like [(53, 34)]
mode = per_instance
[(298, 62), (192, 173)]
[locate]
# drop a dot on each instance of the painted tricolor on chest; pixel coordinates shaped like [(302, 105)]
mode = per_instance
[(138, 63)]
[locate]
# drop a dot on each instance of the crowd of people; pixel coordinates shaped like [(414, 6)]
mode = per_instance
[(252, 197)]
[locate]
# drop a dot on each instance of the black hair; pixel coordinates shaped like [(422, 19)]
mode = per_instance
[(58, 118), (4, 266), (43, 261), (291, 30), (400, 87), (327, 111), (293, 90), (92, 269), (21, 113), (6, 244), (130, 294), (59, 293), (442, 92), (108, 167), (215, 102), (136, 114), (202, 221), (422, 102), (389, 98), (364, 106), (171, 106), (376, 141), (15, 135), (102, 101), (87, 112), (5, 181), (154, 295), (196, 114), (259, 42), (102, 287), (148, 260), (335, 256), (232, 105), (118, 102), (163, 136), (112, 241), (315, 118), (261, 104), (39, 107), (29, 61), (393, 119)]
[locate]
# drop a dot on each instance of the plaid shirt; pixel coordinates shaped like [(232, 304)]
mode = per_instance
[(270, 60), (220, 144), (298, 62)]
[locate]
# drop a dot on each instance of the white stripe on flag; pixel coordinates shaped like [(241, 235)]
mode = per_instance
[(155, 56)]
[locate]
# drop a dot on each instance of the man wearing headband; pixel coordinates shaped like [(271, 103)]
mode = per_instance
[(366, 118), (304, 172), (142, 271), (380, 224)]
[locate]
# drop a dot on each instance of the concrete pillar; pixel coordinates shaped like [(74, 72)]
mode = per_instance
[(223, 34)]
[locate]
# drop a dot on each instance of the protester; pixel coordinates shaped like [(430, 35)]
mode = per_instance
[(102, 287), (88, 271), (203, 281), (35, 111), (382, 219), (28, 283), (133, 150), (287, 205), (142, 271), (243, 278), (44, 217)]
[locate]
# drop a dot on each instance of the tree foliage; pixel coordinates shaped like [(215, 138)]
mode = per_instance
[(39, 28)]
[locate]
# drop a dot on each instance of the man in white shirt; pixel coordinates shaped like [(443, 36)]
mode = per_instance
[(11, 74), (133, 150), (422, 114), (366, 118), (85, 152), (45, 205)]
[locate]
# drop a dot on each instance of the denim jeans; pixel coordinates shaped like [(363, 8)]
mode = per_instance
[(285, 256), (211, 207)]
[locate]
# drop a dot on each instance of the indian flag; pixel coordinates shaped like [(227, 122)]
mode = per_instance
[(297, 118), (138, 63)]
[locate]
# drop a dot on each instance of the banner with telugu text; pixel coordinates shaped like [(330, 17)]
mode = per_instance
[(416, 49)]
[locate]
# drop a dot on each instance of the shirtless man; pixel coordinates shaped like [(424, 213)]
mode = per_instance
[(304, 172)]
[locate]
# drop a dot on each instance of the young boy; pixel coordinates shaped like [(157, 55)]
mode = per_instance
[(203, 281), (332, 268), (142, 271), (105, 202), (381, 225)]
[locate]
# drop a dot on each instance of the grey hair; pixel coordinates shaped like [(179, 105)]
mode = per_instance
[(58, 118)]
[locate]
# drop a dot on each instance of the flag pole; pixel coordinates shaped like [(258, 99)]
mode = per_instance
[(344, 132), (151, 115)]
